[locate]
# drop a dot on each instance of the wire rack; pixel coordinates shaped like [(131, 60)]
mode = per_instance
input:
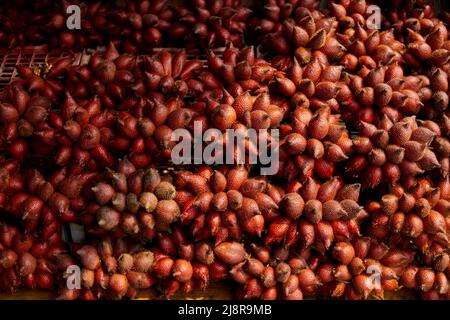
[(36, 56), (10, 59), (29, 56)]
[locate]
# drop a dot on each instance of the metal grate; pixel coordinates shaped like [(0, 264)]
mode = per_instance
[(30, 56), (15, 57), (35, 56)]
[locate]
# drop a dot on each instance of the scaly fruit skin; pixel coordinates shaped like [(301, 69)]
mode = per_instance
[(358, 111)]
